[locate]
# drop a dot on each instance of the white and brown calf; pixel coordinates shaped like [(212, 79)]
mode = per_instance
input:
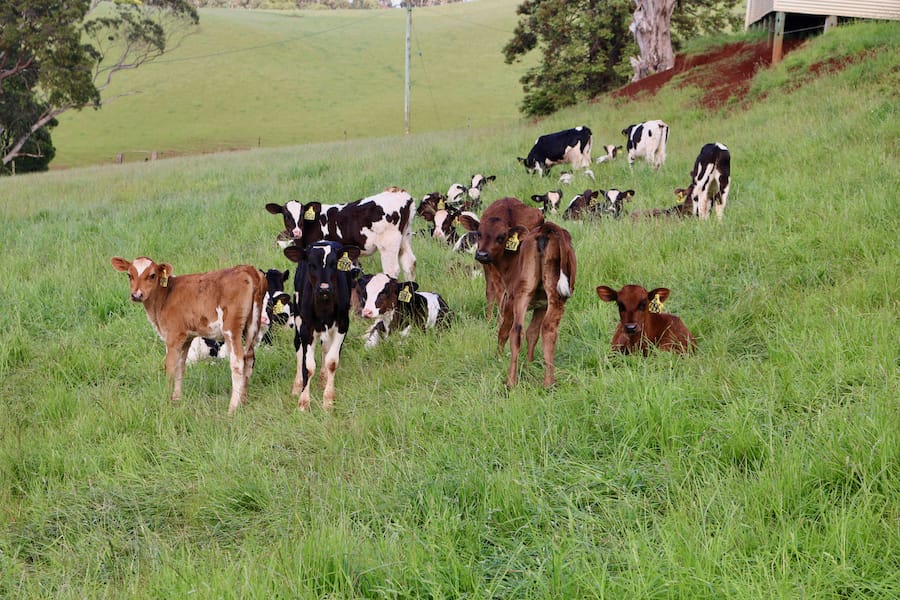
[(223, 305)]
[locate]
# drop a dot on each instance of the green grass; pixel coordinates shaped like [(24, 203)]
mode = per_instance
[(253, 78), (765, 466)]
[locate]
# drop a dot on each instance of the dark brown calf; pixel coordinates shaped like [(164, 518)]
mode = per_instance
[(642, 324), (684, 209), (494, 230)]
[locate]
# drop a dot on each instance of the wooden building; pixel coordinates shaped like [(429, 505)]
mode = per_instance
[(782, 17)]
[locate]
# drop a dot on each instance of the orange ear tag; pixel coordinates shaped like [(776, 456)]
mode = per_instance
[(512, 243)]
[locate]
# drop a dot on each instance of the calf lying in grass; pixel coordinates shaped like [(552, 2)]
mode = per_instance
[(642, 324)]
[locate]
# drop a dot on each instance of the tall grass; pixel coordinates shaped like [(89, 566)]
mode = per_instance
[(764, 466)]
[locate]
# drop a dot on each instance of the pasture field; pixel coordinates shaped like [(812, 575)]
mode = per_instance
[(247, 79), (767, 465)]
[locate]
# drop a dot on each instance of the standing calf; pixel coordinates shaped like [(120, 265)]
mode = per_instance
[(223, 305), (642, 324), (710, 180), (322, 285)]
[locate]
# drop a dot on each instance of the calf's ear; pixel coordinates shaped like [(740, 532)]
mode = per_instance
[(629, 194), (311, 211), (663, 294), (120, 264), (607, 294), (490, 178), (468, 222), (285, 276), (294, 253), (353, 252), (275, 209)]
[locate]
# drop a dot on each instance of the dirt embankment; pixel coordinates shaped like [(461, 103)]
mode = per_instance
[(723, 73)]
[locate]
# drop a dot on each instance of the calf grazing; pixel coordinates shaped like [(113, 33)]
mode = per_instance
[(322, 284), (278, 311), (588, 204), (710, 180), (683, 209), (647, 140), (611, 153), (550, 201), (642, 324), (541, 279), (382, 222), (571, 146), (223, 305), (399, 305), (496, 249)]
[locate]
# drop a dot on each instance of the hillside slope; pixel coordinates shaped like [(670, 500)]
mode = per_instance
[(251, 79), (765, 465)]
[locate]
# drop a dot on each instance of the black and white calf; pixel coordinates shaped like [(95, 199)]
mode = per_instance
[(710, 180), (595, 203), (550, 201), (611, 153), (278, 311), (445, 223), (571, 146), (476, 186), (614, 201), (382, 223), (647, 140), (399, 306), (322, 284)]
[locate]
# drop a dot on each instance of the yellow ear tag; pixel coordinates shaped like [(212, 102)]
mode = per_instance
[(278, 308), (404, 295), (441, 205), (512, 243), (681, 196), (310, 214), (344, 263), (593, 202), (164, 280), (656, 305), (455, 221)]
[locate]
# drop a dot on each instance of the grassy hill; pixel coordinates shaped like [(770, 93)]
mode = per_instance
[(255, 78), (765, 466)]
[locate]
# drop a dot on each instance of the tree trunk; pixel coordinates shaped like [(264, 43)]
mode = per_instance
[(651, 32)]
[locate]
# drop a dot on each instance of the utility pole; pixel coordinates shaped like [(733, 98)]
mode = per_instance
[(406, 95)]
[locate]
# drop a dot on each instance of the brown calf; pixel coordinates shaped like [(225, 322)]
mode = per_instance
[(642, 324), (494, 230), (541, 279), (221, 305)]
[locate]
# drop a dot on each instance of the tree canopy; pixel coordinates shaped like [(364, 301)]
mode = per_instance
[(585, 45), (56, 55)]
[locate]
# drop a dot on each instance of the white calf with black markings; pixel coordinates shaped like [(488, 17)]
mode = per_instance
[(710, 180), (647, 140)]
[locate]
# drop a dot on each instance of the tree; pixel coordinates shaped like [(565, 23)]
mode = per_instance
[(585, 45), (56, 55), (653, 36)]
